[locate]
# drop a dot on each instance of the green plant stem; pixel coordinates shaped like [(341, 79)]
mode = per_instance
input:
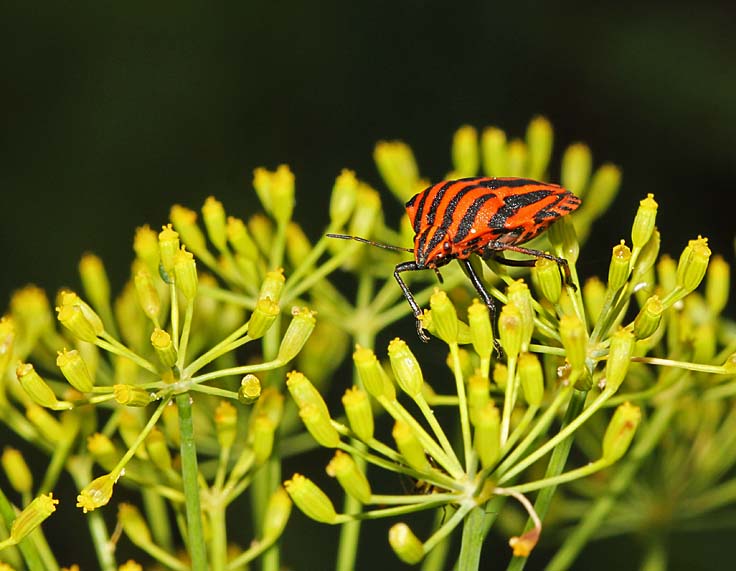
[(462, 406), (190, 482), (218, 537), (554, 468), (647, 438), (655, 557), (436, 559), (157, 518), (472, 539)]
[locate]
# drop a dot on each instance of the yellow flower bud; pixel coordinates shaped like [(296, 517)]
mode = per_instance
[(319, 425), (369, 371), (262, 432), (647, 256), (667, 273), (342, 200), (164, 346), (263, 317), (539, 140), (226, 424), (304, 392), (648, 319), (310, 499), (510, 330), (481, 332), (465, 152), (398, 168), (272, 285), (16, 470), (49, 428), (30, 309), (406, 368), (367, 212), (479, 393), (146, 247), (619, 358), (7, 342), (444, 317), (270, 404), (644, 221), (74, 370), (487, 436), (410, 447), (549, 279), (594, 295), (130, 395), (516, 158), (575, 341), (185, 272), (577, 163), (250, 389), (73, 318), (97, 493), (405, 544), (297, 244), (213, 214), (351, 478), (147, 294), (277, 514), (693, 264), (494, 153), (36, 387), (359, 413), (185, 223), (299, 330), (520, 296), (94, 280), (618, 270), (32, 516), (603, 189), (239, 239), (620, 431), (717, 285), (168, 245), (531, 378)]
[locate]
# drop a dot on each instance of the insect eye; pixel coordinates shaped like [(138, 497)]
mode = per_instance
[(447, 247)]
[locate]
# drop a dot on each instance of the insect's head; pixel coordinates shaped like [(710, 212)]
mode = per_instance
[(433, 247)]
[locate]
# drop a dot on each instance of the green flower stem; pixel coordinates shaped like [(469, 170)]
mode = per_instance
[(398, 412), (321, 271), (227, 296), (647, 438), (434, 477), (401, 499), (655, 555), (113, 346), (385, 297), (556, 465), (448, 527), (133, 448), (186, 330), (563, 434), (59, 458), (256, 549), (388, 512), (602, 326), (443, 400), (541, 425), (472, 539), (218, 537), (214, 391), (462, 406), (190, 482), (697, 367), (23, 428), (243, 370), (163, 556), (436, 559), (307, 264), (563, 478), (214, 352), (437, 428), (157, 517), (708, 501), (546, 349), (520, 428), (509, 398), (174, 314), (28, 548)]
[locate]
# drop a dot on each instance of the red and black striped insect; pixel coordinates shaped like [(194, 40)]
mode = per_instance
[(478, 215)]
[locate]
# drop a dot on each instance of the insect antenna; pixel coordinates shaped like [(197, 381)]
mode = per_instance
[(371, 242)]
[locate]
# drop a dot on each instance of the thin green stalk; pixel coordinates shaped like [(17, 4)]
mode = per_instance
[(218, 537), (157, 518), (195, 536), (647, 438), (462, 406), (472, 540), (436, 559), (555, 467)]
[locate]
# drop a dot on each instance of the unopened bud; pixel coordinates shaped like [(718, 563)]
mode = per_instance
[(147, 294), (226, 424), (185, 223), (130, 395), (213, 214), (465, 155), (240, 240), (342, 200), (359, 413), (618, 270), (134, 525), (548, 278), (479, 393), (406, 368), (594, 295), (575, 341), (520, 296), (94, 280), (250, 389), (619, 358), (16, 470), (398, 168), (487, 437), (603, 189), (410, 447), (73, 318), (36, 387), (444, 317), (367, 212), (158, 449), (145, 245), (620, 431), (717, 285), (262, 433), (644, 222), (577, 163), (369, 371), (263, 317), (185, 272), (75, 370), (516, 158), (305, 393), (351, 478), (481, 331), (493, 152), (693, 264), (103, 450), (531, 378), (277, 514), (648, 319), (164, 346), (539, 140), (299, 330), (310, 499), (405, 544), (272, 285), (510, 330), (168, 244), (32, 516)]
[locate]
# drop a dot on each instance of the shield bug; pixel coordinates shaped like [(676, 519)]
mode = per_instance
[(478, 215)]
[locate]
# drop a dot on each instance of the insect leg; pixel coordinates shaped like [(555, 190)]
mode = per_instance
[(410, 267), (494, 248), (486, 297)]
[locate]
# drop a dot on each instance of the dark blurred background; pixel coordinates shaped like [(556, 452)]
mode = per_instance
[(111, 114)]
